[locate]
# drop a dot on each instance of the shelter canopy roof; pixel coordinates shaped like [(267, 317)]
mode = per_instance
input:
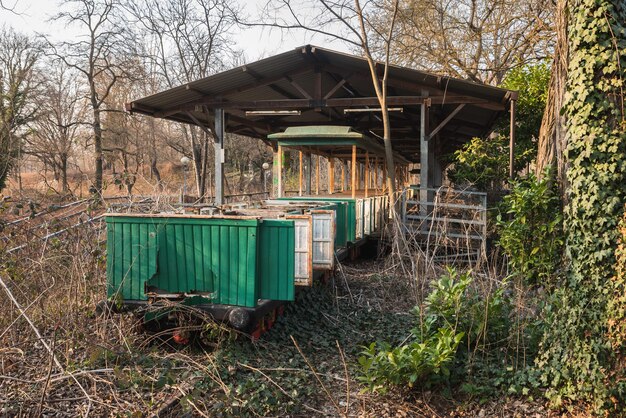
[(316, 86), (332, 141)]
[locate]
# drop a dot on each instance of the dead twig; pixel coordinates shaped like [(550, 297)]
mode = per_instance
[(345, 369), (45, 386), (43, 342), (191, 402), (284, 392), (317, 377)]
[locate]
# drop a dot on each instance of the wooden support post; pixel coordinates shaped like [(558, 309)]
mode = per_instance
[(353, 169), (317, 174), (331, 175), (512, 140), (376, 174), (300, 175), (367, 172), (219, 157), (343, 176), (279, 172), (384, 180), (309, 171)]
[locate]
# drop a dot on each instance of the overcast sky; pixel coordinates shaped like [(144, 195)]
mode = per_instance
[(255, 42)]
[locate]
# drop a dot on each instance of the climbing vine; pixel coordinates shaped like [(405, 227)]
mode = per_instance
[(617, 307), (578, 360)]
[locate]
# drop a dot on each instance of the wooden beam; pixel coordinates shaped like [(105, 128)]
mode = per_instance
[(367, 172), (336, 88), (446, 120), (353, 169), (279, 172), (262, 82), (298, 87), (199, 124), (259, 78), (317, 174), (288, 104), (331, 175), (411, 86), (300, 176), (318, 84)]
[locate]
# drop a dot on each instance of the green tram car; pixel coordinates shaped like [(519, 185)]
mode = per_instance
[(240, 268)]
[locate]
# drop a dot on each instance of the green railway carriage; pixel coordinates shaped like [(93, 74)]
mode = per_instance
[(238, 267), (226, 261), (362, 216)]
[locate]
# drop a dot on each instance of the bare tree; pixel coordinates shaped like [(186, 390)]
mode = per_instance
[(9, 7), (354, 24), (59, 126), (185, 40), (124, 136), (247, 157), (18, 56), (470, 39), (97, 55)]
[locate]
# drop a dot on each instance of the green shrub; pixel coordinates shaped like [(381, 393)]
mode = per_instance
[(455, 314), (406, 364), (530, 226), (484, 162)]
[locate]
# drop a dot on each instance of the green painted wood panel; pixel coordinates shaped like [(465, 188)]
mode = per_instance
[(207, 255), (131, 258), (277, 259), (212, 256)]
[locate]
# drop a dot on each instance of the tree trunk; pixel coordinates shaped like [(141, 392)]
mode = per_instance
[(552, 138), (391, 178), (97, 131), (63, 167), (199, 162), (155, 171)]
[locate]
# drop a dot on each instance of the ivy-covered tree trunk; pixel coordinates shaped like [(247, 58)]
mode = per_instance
[(578, 362)]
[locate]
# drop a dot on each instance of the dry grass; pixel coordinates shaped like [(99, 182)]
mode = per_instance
[(106, 365)]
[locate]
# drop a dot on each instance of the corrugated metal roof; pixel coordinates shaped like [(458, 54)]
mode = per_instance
[(294, 75)]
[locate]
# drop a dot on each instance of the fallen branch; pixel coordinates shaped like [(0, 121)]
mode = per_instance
[(43, 342), (306, 360), (254, 369)]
